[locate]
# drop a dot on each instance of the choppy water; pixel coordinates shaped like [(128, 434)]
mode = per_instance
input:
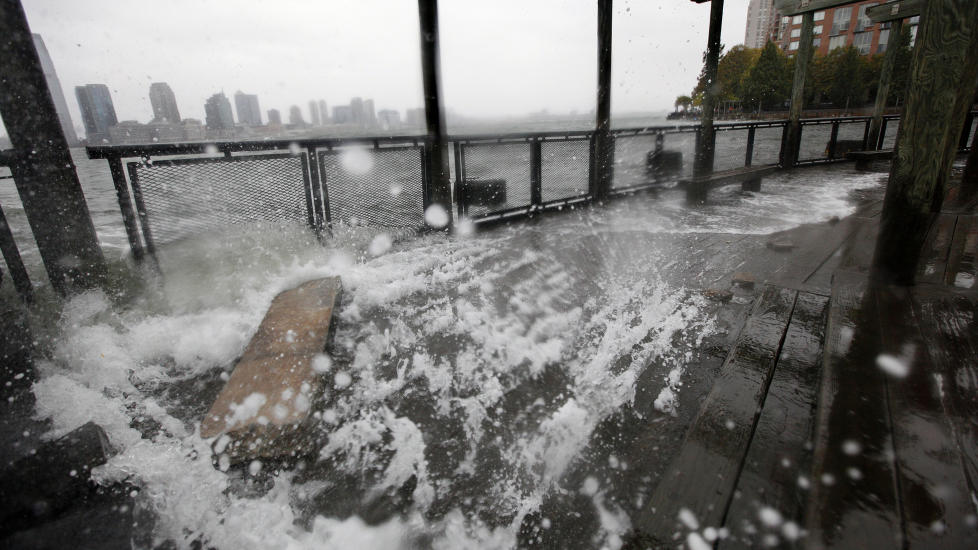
[(491, 374)]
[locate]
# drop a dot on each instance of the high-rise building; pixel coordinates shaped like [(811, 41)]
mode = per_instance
[(342, 114), (295, 116), (274, 117), (57, 94), (164, 103), (247, 106), (323, 111), (762, 23), (356, 110), (98, 112), (314, 113), (840, 27), (389, 119), (369, 117), (217, 113), (415, 117)]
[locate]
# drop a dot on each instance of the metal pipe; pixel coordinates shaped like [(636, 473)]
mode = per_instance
[(706, 145), (125, 206), (439, 182), (603, 140)]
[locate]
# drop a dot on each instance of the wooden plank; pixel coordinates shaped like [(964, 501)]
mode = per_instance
[(843, 512), (935, 501), (267, 399), (702, 477), (933, 261), (962, 263), (894, 11), (780, 450), (795, 7), (947, 324)]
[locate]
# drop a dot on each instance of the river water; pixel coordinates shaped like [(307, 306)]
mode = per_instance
[(479, 381)]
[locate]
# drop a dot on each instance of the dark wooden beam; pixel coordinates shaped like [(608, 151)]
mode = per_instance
[(603, 141), (42, 168), (797, 7), (883, 89), (706, 144), (439, 184), (792, 141), (894, 11), (931, 124)]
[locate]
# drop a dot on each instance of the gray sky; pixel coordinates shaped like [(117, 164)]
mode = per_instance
[(499, 57)]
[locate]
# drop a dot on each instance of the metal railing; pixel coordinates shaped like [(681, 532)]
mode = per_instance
[(178, 190)]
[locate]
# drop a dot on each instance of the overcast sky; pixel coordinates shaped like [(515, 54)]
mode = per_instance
[(499, 57)]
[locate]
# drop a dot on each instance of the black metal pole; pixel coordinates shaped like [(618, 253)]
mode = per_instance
[(536, 173), (706, 145), (43, 170), (125, 206), (603, 144), (439, 186), (749, 155)]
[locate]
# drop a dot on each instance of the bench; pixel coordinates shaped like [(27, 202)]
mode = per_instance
[(749, 176), (864, 159)]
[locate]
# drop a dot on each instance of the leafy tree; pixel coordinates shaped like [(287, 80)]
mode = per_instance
[(768, 83), (849, 83), (901, 66), (731, 72), (683, 101)]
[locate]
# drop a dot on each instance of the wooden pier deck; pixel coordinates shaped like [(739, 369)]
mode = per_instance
[(844, 413)]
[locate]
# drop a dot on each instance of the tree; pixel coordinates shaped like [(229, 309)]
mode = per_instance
[(768, 82), (849, 83), (731, 72), (901, 65), (683, 101)]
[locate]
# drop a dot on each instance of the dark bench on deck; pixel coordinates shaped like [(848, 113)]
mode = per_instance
[(749, 176), (864, 159)]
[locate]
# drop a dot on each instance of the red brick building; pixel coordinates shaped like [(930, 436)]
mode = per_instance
[(838, 27)]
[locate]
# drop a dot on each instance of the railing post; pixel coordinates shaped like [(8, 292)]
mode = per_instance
[(603, 148), (459, 178), (320, 203), (866, 141), (137, 197), (125, 206), (22, 281), (44, 172), (883, 90), (833, 140), (882, 134), (966, 132), (439, 182), (792, 141), (749, 158), (536, 173), (706, 144)]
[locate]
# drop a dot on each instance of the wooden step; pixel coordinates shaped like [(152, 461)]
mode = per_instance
[(266, 403)]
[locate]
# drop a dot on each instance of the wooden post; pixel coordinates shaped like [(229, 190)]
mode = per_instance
[(931, 124), (707, 138), (792, 142), (42, 168), (439, 184), (603, 141), (883, 91)]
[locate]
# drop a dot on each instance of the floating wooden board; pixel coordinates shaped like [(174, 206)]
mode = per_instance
[(267, 400)]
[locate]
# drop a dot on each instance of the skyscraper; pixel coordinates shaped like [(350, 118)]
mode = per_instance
[(295, 116), (314, 113), (762, 23), (356, 108), (164, 103), (217, 113), (57, 94), (247, 106), (342, 114), (98, 112), (323, 111), (369, 117), (274, 117)]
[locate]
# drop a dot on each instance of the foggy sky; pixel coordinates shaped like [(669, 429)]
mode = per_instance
[(499, 58)]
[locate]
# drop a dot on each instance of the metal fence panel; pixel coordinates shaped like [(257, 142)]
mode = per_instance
[(374, 186), (565, 170), (505, 163)]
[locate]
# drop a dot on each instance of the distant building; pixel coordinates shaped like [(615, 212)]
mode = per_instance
[(274, 117), (247, 106), (217, 113), (323, 111), (164, 103), (389, 119), (762, 23), (342, 114), (295, 116), (314, 114), (356, 109), (98, 112), (57, 94), (193, 130), (369, 117), (129, 131), (840, 27), (415, 117)]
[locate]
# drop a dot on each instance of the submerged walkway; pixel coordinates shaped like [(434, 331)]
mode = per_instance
[(843, 415)]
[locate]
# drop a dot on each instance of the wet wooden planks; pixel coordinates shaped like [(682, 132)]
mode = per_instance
[(703, 475), (962, 264)]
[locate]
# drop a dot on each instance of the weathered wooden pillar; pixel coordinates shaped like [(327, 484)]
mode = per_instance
[(931, 123), (603, 142), (883, 90), (43, 170), (439, 184), (792, 142), (706, 145)]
